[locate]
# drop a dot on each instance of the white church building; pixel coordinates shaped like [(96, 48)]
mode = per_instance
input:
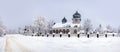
[(67, 27)]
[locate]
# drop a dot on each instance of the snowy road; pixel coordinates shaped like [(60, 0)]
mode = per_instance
[(19, 43), (13, 46), (2, 44)]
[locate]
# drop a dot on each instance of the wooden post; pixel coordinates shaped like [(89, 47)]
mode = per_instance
[(68, 35), (78, 35), (106, 35), (97, 35), (87, 35), (42, 35), (53, 35), (60, 35), (47, 35), (113, 35)]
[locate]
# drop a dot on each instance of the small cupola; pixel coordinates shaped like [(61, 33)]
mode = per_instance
[(64, 20)]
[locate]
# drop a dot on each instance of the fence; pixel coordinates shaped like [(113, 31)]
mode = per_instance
[(79, 35)]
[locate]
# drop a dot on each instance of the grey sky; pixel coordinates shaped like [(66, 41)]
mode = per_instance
[(17, 13)]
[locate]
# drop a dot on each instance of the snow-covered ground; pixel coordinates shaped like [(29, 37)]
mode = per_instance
[(20, 43)]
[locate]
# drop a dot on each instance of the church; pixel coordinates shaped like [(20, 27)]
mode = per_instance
[(66, 27)]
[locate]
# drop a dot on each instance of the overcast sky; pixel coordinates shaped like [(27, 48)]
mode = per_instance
[(17, 13)]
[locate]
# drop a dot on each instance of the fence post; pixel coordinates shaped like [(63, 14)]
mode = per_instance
[(42, 35), (38, 34), (60, 35), (106, 35), (78, 35), (47, 35), (87, 35), (53, 35), (97, 35), (68, 35), (113, 35)]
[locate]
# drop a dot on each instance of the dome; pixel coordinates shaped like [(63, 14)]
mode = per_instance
[(64, 20), (76, 15)]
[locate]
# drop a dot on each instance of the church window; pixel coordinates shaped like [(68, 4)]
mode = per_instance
[(67, 31), (56, 31), (53, 31), (75, 31), (69, 26), (63, 30), (60, 30), (75, 26)]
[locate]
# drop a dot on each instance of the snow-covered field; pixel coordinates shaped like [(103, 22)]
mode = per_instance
[(20, 43)]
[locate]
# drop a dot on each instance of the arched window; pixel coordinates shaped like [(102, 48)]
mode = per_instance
[(75, 26), (60, 30), (63, 30), (69, 26), (56, 31), (75, 31), (53, 31), (67, 31)]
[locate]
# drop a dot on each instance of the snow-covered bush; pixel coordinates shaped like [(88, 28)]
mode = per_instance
[(87, 26), (99, 29), (49, 26), (2, 29), (40, 25)]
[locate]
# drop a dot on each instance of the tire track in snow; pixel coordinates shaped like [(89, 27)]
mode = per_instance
[(10, 40), (7, 46), (23, 48)]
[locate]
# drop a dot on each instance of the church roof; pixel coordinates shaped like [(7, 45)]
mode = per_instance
[(65, 25)]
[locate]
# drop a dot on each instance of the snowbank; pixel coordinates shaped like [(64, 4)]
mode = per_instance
[(49, 44)]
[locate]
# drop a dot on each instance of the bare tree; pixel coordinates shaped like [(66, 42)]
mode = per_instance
[(109, 29), (50, 24), (40, 25), (12, 31), (19, 30), (2, 29), (119, 30), (87, 26), (99, 29)]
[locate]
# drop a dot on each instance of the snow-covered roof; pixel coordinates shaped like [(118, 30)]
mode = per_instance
[(63, 25)]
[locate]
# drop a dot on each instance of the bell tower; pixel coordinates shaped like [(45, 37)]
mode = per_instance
[(76, 18)]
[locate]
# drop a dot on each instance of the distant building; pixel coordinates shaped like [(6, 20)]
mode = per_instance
[(67, 27)]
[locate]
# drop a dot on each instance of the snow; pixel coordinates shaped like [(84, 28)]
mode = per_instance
[(20, 43), (2, 44), (62, 25)]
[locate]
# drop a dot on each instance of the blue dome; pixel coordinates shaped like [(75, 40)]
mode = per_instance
[(76, 15), (64, 20)]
